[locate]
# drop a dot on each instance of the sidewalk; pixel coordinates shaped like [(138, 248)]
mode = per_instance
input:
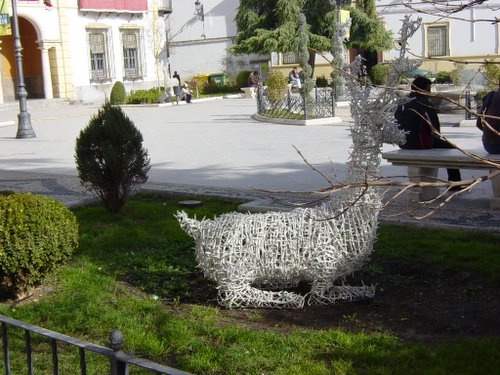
[(215, 148)]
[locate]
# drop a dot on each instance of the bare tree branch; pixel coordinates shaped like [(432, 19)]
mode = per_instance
[(447, 10)]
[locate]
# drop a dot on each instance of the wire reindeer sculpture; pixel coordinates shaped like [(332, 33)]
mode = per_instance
[(253, 257)]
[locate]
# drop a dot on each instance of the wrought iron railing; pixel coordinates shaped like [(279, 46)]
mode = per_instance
[(119, 361), (295, 105)]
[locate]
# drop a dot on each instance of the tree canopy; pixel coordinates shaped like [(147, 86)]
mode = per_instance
[(368, 33), (266, 26)]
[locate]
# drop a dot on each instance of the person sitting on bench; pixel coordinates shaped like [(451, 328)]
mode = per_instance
[(490, 125), (253, 79), (294, 78), (417, 118), (186, 93)]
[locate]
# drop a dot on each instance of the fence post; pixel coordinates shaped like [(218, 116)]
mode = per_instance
[(468, 105), (304, 103), (116, 340), (332, 97)]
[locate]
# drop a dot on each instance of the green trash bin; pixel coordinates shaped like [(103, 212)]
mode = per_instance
[(218, 79)]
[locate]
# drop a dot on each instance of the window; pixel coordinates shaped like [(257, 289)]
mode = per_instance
[(131, 54), (437, 40), (290, 58), (99, 55)]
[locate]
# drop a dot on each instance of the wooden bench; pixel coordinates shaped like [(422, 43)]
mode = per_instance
[(249, 92), (423, 166)]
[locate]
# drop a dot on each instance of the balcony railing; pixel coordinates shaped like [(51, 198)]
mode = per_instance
[(128, 6)]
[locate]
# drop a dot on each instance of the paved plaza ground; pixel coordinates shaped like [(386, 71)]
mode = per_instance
[(214, 147)]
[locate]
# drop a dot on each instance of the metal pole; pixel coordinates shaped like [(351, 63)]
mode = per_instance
[(24, 129)]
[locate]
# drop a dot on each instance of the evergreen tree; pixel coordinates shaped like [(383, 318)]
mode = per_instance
[(303, 38), (266, 26), (368, 33)]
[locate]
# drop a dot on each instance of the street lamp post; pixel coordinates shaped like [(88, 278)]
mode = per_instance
[(200, 12), (24, 129)]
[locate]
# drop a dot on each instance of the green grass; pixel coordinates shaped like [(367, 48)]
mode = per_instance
[(453, 249), (144, 246)]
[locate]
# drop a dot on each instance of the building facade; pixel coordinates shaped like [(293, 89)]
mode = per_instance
[(467, 35), (77, 49)]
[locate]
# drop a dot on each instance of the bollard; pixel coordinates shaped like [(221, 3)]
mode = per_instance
[(116, 340)]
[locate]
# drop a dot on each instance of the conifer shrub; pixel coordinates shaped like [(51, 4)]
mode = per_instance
[(37, 235), (118, 93), (378, 74), (110, 158), (277, 85)]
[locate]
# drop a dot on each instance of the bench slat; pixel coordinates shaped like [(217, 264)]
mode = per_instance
[(439, 158)]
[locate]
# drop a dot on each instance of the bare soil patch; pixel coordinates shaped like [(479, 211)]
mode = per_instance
[(415, 301)]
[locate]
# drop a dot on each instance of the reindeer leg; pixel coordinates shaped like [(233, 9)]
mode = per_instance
[(238, 295), (325, 293)]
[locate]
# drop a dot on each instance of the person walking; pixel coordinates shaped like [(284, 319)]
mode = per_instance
[(177, 76)]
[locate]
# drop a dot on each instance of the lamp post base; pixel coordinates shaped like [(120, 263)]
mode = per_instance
[(24, 130)]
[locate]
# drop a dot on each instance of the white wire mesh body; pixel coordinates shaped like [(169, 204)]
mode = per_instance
[(253, 257), (244, 252)]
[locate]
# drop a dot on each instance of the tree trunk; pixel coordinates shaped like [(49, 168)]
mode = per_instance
[(311, 61)]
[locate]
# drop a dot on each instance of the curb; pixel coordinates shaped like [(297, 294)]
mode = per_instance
[(7, 123), (327, 121)]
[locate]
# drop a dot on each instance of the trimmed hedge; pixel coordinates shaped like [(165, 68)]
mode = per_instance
[(144, 96), (277, 85), (378, 74), (242, 79), (214, 89), (37, 235), (444, 77), (322, 82)]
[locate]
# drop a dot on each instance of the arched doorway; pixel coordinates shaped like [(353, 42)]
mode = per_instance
[(32, 63)]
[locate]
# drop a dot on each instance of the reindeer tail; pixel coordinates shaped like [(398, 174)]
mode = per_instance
[(190, 226)]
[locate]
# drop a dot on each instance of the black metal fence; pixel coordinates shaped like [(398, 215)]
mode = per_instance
[(295, 105), (119, 361)]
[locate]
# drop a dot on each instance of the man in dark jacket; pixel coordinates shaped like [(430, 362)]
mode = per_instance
[(416, 118), (491, 107)]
